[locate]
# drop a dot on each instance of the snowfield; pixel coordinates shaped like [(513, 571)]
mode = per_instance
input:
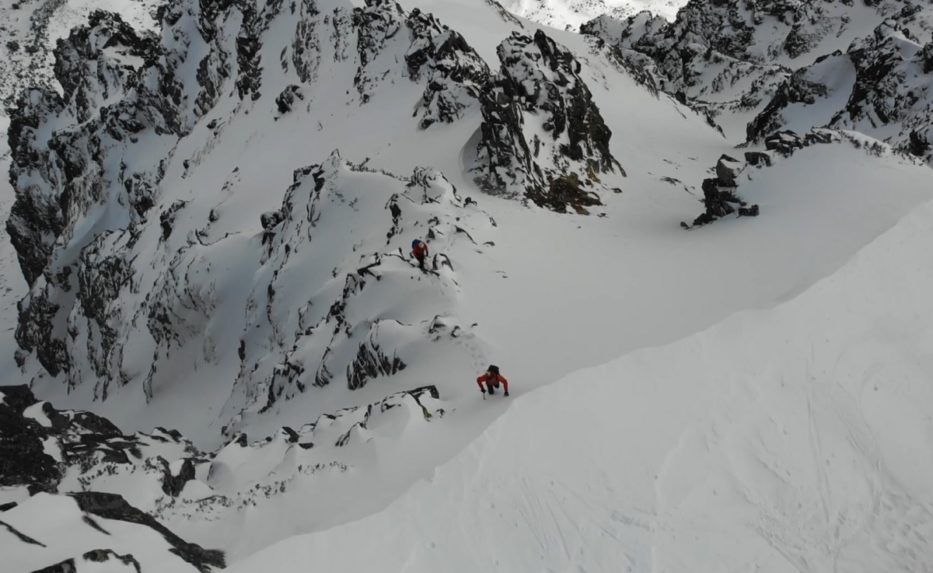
[(796, 438)]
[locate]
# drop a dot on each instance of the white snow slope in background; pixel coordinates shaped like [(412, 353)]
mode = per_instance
[(791, 439), (570, 14)]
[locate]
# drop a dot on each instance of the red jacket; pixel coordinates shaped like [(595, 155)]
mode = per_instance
[(420, 251), (492, 379)]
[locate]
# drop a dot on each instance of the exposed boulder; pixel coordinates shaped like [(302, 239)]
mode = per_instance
[(784, 142), (285, 101), (728, 169), (758, 159), (720, 193)]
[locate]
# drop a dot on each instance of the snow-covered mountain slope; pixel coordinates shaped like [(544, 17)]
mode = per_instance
[(229, 497), (31, 28), (794, 438), (161, 278), (94, 532), (215, 226), (733, 58), (29, 32), (883, 86), (570, 14)]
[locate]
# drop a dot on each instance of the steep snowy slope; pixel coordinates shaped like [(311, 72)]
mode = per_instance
[(188, 272), (795, 438)]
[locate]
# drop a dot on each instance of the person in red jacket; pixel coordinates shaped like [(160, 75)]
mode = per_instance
[(419, 250), (492, 379)]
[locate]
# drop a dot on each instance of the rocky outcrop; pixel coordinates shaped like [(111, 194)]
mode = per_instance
[(42, 447), (882, 81), (455, 74), (23, 460), (720, 193), (539, 85), (736, 56)]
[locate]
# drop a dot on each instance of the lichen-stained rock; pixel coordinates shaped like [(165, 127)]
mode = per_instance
[(543, 137)]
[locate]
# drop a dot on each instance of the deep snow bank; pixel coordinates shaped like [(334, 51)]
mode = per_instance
[(795, 438)]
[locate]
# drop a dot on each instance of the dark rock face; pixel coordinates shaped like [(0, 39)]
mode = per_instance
[(173, 484), (91, 67), (83, 440), (23, 460), (60, 179), (758, 159), (541, 79), (456, 74), (728, 169), (800, 88), (371, 362)]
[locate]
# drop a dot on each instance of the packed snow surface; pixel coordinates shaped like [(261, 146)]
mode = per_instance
[(788, 439)]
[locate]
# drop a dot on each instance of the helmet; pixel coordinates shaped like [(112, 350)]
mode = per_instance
[(493, 369), (415, 243)]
